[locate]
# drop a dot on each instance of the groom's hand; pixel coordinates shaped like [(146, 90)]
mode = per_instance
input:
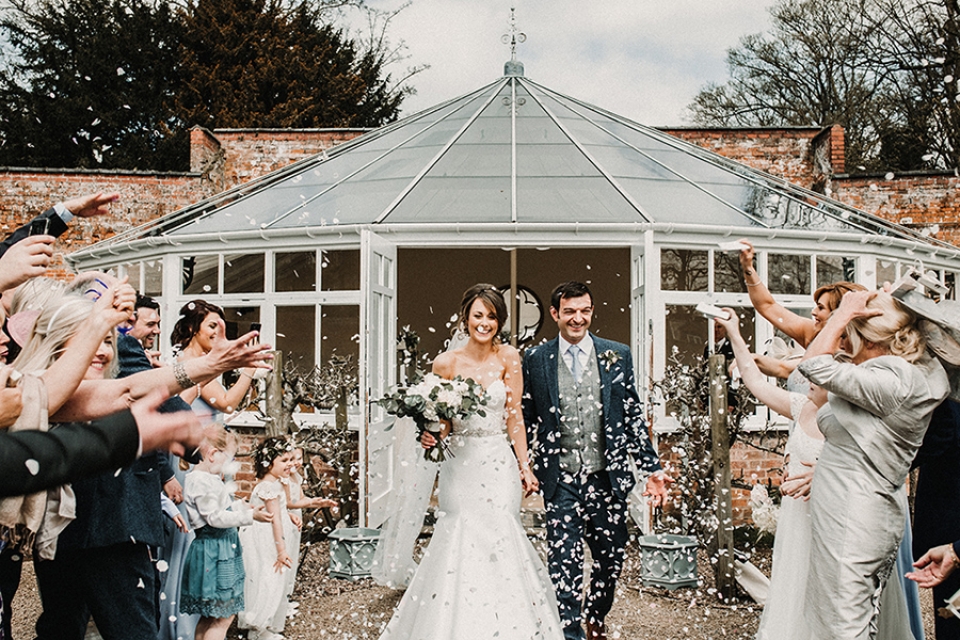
[(656, 488)]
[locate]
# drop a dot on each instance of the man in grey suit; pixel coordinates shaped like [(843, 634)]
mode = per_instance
[(584, 415)]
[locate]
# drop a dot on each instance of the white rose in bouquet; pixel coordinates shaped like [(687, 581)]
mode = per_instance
[(450, 398)]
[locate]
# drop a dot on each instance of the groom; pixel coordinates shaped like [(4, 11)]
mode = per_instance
[(582, 410)]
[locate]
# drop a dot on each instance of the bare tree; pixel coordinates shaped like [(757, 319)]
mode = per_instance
[(884, 69)]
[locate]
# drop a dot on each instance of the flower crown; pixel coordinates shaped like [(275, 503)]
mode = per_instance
[(271, 449)]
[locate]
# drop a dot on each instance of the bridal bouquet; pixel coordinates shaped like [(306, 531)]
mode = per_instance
[(432, 399)]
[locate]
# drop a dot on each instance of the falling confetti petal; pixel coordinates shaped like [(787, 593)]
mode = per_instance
[(32, 466)]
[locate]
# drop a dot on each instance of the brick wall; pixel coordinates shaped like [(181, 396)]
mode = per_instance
[(756, 458), (243, 154), (144, 197), (928, 201), (792, 153)]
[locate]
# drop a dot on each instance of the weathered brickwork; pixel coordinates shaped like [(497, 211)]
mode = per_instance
[(787, 153), (753, 460), (927, 202), (244, 154)]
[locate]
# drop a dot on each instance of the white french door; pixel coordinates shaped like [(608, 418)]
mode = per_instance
[(378, 351)]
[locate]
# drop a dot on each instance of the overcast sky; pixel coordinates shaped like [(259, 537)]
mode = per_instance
[(643, 59)]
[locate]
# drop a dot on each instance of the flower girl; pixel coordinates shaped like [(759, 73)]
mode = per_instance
[(213, 575), (296, 502), (265, 557)]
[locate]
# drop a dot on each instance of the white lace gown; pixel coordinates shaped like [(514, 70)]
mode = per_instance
[(480, 577), (783, 614), (265, 597)]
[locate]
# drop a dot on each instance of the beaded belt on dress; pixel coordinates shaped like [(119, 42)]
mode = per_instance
[(480, 434)]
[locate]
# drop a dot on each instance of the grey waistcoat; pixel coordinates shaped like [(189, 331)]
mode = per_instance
[(582, 442)]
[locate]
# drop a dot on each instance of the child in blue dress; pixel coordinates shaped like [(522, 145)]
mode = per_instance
[(213, 577)]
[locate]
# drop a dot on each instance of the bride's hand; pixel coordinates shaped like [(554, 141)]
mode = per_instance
[(530, 483), (427, 441)]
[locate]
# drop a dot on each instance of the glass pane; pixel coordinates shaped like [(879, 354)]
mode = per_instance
[(832, 269), (683, 270), (789, 274), (240, 320), (296, 271), (243, 273), (340, 332), (132, 271), (574, 199), (950, 280), (296, 337), (886, 271), (686, 332), (726, 272), (340, 270), (153, 277), (199, 274)]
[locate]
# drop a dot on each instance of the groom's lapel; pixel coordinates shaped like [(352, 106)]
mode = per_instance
[(550, 362), (606, 375)]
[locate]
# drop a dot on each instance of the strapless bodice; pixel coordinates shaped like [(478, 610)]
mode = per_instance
[(491, 424)]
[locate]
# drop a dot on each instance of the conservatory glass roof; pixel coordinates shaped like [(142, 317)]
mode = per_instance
[(517, 152)]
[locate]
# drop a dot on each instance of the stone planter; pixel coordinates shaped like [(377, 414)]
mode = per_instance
[(351, 552), (668, 561)]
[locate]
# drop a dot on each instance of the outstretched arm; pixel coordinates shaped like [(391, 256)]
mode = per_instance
[(95, 398), (797, 327), (769, 394)]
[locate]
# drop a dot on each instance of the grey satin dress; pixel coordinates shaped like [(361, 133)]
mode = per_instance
[(874, 422)]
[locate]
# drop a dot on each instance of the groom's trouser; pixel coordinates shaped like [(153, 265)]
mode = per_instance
[(585, 509)]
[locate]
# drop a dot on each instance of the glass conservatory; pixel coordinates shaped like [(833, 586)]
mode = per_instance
[(516, 185)]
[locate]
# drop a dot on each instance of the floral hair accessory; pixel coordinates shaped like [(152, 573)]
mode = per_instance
[(271, 449), (610, 358)]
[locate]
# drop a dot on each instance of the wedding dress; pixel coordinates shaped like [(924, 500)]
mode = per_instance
[(480, 577), (783, 613)]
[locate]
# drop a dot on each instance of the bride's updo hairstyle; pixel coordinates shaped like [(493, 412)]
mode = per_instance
[(896, 329), (491, 298)]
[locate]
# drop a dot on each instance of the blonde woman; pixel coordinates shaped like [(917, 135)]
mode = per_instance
[(880, 403)]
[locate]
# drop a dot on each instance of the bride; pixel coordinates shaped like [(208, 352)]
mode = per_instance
[(480, 577)]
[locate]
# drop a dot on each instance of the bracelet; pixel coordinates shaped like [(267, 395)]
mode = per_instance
[(952, 556), (753, 284), (183, 379), (280, 544), (244, 373)]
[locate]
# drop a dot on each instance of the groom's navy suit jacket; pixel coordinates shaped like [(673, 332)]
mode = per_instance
[(624, 427)]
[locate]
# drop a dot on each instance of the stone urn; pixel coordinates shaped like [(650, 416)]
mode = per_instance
[(668, 561), (351, 552)]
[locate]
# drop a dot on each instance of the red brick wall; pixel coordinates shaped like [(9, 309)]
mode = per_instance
[(929, 201), (749, 465), (143, 197), (253, 153), (787, 153), (219, 161)]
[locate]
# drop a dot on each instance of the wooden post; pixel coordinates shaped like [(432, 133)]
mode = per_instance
[(717, 376), (277, 419)]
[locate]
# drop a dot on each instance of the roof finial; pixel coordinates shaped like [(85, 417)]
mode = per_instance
[(514, 67)]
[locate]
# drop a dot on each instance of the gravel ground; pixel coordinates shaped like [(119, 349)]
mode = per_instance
[(332, 608)]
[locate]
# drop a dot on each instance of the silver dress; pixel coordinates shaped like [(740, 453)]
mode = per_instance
[(874, 422)]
